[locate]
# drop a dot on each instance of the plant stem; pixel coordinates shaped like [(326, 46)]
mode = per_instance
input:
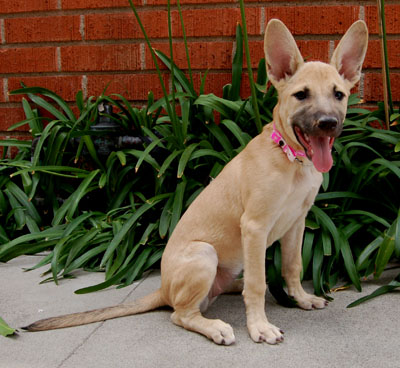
[(387, 94), (174, 120), (248, 61), (185, 41), (170, 112)]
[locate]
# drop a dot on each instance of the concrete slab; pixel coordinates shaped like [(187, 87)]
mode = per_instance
[(366, 336)]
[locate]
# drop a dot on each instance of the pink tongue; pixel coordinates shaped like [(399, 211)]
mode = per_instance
[(321, 158)]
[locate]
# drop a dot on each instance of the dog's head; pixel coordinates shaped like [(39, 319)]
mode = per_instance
[(313, 96)]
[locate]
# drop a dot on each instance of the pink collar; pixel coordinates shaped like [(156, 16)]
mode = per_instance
[(291, 153)]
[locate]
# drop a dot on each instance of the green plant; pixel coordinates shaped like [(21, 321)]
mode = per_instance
[(144, 190)]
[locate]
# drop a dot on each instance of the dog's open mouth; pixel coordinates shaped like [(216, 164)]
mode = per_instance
[(318, 149)]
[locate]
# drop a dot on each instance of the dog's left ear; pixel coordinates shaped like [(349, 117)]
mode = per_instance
[(350, 53)]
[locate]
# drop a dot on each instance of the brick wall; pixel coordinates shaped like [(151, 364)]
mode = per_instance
[(71, 45)]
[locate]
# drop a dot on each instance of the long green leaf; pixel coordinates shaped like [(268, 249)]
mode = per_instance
[(177, 205), (165, 218), (364, 257), (380, 291), (31, 91), (24, 201), (222, 138), (349, 262), (249, 70), (185, 157), (237, 65), (386, 250), (145, 155), (124, 230), (69, 206), (326, 221), (243, 138)]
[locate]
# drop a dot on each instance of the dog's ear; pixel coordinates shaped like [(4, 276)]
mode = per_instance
[(349, 54), (282, 55)]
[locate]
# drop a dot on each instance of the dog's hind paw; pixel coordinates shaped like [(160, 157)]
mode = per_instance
[(265, 331)]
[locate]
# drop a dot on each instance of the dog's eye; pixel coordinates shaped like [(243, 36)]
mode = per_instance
[(339, 95), (301, 95)]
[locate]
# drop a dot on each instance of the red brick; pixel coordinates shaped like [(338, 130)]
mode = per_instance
[(134, 87), (215, 22), (392, 15), (373, 90), (203, 55), (64, 86), (7, 6), (42, 29), (10, 116), (100, 57), (28, 60), (373, 58), (96, 4), (124, 25), (173, 2), (303, 20), (197, 21)]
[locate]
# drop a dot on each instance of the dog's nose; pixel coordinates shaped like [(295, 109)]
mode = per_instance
[(327, 123)]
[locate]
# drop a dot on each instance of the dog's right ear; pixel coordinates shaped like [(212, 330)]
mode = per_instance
[(282, 55)]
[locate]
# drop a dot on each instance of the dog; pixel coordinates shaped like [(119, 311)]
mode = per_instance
[(261, 196)]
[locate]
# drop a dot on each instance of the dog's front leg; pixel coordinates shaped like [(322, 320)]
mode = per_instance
[(292, 265), (254, 239)]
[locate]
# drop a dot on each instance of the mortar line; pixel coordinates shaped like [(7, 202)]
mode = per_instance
[(361, 14), (5, 90), (142, 51), (2, 31), (84, 86), (82, 27), (72, 353), (361, 86), (58, 58), (262, 21), (331, 48)]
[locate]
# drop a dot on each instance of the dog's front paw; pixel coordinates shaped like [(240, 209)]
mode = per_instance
[(264, 331), (308, 301), (222, 333)]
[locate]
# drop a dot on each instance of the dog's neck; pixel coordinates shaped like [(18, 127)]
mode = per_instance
[(291, 153)]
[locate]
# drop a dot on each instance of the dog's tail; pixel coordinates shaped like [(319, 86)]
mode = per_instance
[(145, 304)]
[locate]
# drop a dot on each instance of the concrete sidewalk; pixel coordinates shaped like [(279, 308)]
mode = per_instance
[(365, 336)]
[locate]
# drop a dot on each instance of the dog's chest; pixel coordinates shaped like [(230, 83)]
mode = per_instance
[(295, 206)]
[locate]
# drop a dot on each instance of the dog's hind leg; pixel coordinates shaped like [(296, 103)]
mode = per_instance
[(291, 268), (192, 286)]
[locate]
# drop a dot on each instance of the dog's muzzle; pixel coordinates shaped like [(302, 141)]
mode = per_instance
[(317, 138)]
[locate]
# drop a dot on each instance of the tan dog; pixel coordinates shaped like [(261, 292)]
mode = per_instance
[(261, 196)]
